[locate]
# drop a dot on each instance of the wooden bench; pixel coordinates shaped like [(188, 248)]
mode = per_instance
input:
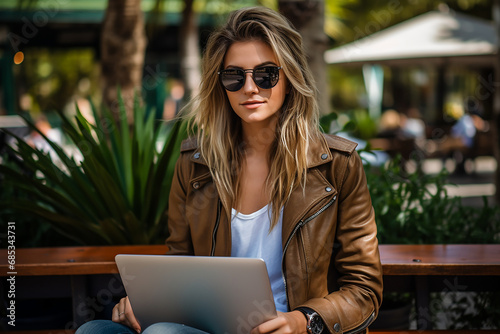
[(443, 268), (419, 268)]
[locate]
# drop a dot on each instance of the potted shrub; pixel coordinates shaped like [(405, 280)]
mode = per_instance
[(115, 193), (415, 208)]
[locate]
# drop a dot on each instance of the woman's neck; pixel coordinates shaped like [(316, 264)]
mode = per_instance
[(258, 139), (254, 192)]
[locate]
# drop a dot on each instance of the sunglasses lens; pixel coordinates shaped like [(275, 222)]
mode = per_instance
[(266, 77), (233, 79)]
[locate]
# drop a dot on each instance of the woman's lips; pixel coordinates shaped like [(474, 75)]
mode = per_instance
[(252, 104)]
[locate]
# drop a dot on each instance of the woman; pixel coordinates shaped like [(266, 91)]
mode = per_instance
[(261, 180)]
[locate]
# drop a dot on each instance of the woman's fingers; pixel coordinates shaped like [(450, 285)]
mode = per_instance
[(130, 317), (286, 323), (115, 314), (123, 314)]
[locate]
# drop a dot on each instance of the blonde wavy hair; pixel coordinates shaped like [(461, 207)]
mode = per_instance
[(218, 128)]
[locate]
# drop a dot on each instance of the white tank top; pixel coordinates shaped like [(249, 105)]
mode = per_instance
[(251, 238)]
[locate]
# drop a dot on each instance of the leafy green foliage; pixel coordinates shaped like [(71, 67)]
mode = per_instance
[(365, 126), (117, 194), (415, 208), (478, 310), (26, 236), (325, 122), (53, 76), (329, 124)]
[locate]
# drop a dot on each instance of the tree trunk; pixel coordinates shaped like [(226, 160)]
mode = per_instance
[(308, 17), (123, 45), (190, 50)]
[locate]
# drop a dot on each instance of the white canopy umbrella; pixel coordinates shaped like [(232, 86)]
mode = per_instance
[(434, 37)]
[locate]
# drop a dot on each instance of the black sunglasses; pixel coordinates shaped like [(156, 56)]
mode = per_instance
[(266, 77)]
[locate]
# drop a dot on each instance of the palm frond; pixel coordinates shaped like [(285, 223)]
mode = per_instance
[(117, 193)]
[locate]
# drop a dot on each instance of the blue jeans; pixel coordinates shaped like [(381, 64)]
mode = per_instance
[(110, 327)]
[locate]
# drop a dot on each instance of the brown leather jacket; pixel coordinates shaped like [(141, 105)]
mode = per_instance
[(330, 251)]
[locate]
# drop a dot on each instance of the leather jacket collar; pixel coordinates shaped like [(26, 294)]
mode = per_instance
[(315, 155)]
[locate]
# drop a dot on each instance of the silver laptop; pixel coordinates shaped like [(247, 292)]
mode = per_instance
[(220, 295)]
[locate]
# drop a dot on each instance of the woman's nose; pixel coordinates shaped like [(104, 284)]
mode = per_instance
[(250, 87)]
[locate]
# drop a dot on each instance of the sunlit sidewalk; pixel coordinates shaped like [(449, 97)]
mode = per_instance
[(472, 187)]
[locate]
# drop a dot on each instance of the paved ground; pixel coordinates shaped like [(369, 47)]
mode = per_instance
[(471, 187)]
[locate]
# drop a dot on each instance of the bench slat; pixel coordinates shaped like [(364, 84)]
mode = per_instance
[(396, 260), (72, 260), (475, 260)]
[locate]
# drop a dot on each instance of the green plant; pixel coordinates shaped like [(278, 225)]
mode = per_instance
[(328, 124), (415, 208), (471, 310), (26, 236), (118, 192), (325, 122), (365, 126)]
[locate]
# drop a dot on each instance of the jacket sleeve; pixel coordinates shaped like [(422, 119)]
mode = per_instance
[(179, 239), (356, 258)]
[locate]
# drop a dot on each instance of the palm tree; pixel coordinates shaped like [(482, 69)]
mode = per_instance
[(314, 19), (308, 17), (190, 50), (123, 45)]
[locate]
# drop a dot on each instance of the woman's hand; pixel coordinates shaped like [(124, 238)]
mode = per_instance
[(286, 323), (123, 314)]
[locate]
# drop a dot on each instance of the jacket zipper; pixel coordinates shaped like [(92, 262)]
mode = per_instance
[(363, 326), (299, 225), (217, 222)]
